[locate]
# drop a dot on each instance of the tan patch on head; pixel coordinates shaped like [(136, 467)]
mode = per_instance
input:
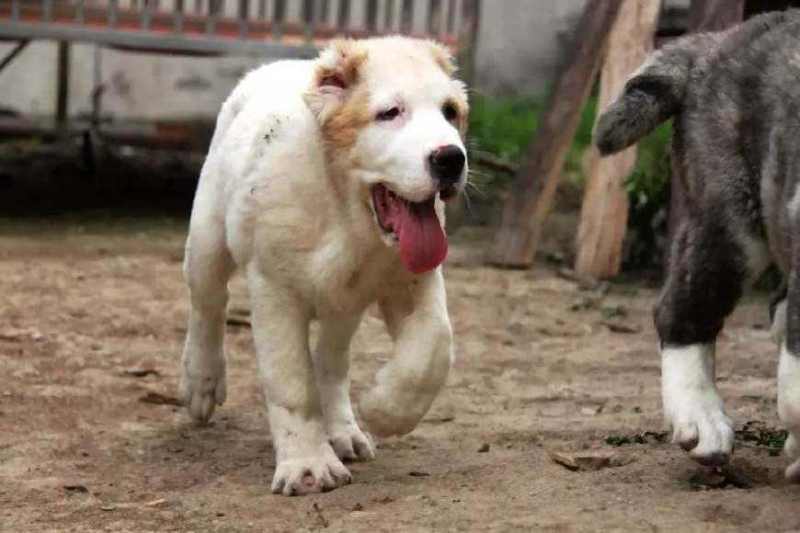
[(340, 130), (442, 57)]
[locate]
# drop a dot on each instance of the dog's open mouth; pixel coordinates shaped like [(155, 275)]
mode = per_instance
[(423, 243)]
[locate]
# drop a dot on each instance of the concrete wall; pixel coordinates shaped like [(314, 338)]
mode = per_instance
[(521, 43)]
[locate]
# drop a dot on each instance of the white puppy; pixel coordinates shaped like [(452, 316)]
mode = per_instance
[(324, 184)]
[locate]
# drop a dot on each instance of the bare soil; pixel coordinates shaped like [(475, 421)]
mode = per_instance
[(92, 319)]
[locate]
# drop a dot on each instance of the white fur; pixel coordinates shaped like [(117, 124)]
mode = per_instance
[(789, 407), (266, 204), (692, 405)]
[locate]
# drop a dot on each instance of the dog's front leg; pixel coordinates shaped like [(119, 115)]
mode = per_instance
[(405, 388), (305, 460), (332, 365)]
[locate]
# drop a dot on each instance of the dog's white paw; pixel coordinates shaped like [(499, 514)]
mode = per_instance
[(789, 408), (693, 407), (350, 443), (700, 426), (792, 450), (202, 392), (308, 475)]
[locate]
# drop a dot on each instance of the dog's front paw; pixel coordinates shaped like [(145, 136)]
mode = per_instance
[(700, 426), (201, 392), (308, 475), (692, 405), (351, 444)]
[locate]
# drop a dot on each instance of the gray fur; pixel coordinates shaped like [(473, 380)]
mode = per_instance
[(735, 100), (652, 95)]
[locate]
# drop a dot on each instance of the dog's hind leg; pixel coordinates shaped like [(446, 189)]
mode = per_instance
[(207, 268), (789, 367), (331, 366), (709, 266)]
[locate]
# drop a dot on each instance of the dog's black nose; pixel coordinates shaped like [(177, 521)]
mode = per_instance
[(447, 164)]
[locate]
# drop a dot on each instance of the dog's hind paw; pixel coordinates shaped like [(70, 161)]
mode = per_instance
[(308, 475), (201, 394), (351, 444)]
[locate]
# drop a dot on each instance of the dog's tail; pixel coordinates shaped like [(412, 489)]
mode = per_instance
[(652, 95)]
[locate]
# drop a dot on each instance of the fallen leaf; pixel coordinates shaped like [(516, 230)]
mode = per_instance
[(141, 372), (159, 399), (619, 327), (589, 461)]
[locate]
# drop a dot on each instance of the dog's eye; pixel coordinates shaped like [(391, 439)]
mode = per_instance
[(450, 112), (388, 115)]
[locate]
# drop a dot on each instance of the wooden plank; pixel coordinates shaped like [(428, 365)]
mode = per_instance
[(531, 194), (604, 215), (704, 15)]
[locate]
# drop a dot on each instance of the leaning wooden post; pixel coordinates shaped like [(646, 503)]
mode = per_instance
[(531, 195), (604, 216), (704, 15)]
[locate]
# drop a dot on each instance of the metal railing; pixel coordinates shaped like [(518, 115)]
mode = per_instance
[(260, 28), (275, 28)]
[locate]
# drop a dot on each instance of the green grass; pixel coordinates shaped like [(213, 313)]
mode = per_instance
[(505, 127)]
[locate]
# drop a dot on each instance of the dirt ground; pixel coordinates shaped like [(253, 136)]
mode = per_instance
[(92, 318)]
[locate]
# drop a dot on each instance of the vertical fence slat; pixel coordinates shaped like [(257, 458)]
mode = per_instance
[(278, 18), (324, 12), (112, 13), (244, 12), (388, 16), (407, 16), (435, 17), (343, 17), (177, 16), (372, 16), (47, 10), (80, 15), (211, 16), (144, 17)]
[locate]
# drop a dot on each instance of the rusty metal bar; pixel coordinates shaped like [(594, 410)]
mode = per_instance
[(62, 93), (13, 54)]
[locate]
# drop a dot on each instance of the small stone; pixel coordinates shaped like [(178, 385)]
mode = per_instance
[(485, 447)]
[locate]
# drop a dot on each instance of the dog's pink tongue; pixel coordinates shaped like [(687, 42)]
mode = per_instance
[(423, 244)]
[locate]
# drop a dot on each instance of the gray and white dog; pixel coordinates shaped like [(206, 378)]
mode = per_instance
[(735, 99)]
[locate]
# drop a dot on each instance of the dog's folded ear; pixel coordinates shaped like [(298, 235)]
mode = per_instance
[(336, 75)]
